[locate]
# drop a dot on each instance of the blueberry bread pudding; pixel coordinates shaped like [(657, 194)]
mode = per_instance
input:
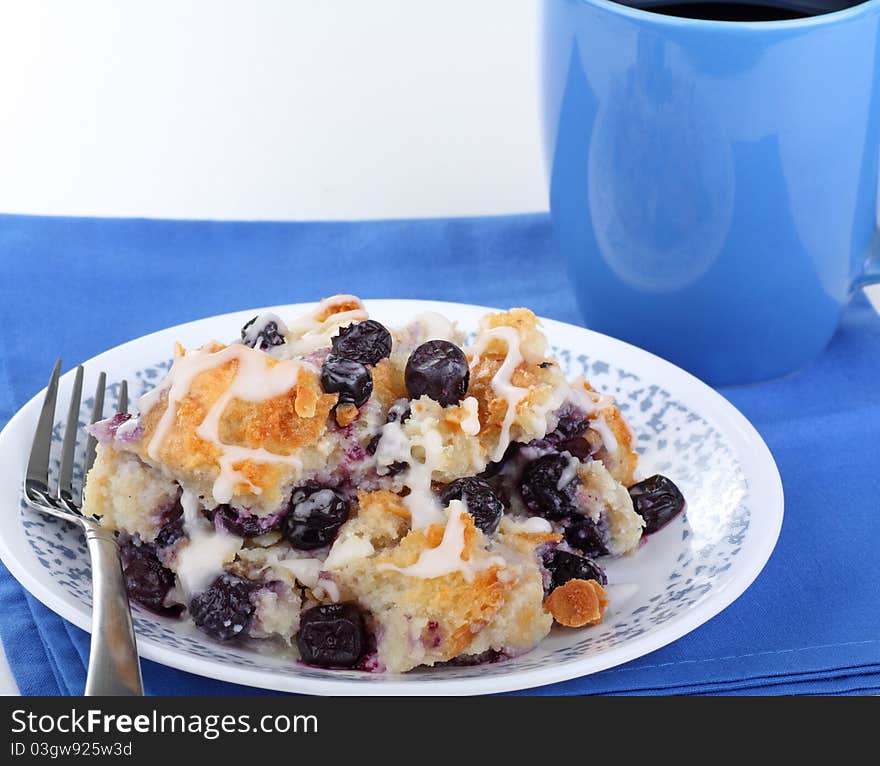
[(374, 497)]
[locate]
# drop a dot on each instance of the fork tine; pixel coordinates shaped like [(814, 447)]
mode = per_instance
[(65, 474), (97, 414), (122, 403), (38, 463)]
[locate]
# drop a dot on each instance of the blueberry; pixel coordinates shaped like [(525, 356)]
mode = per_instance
[(170, 533), (172, 530), (540, 487), (564, 566), (585, 535), (365, 342), (350, 379), (315, 517), (332, 636), (481, 501), (577, 447), (657, 500), (493, 469), (225, 608), (568, 434), (261, 333), (240, 523), (438, 369), (147, 581), (398, 466), (571, 423)]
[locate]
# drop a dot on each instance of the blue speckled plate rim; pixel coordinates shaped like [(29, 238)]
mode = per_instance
[(764, 482)]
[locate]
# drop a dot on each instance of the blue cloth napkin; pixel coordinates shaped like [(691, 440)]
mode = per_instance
[(809, 624)]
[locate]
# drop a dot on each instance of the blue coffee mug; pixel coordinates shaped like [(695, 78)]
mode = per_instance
[(714, 184)]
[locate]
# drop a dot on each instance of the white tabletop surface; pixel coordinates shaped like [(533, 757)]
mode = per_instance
[(286, 109)]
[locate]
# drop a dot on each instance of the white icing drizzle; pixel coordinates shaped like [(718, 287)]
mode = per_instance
[(446, 558), (226, 481), (530, 525), (501, 383), (424, 508), (471, 423), (127, 428), (348, 549), (395, 446), (590, 402), (255, 381), (308, 333), (177, 384), (600, 425), (207, 550), (593, 403), (330, 588), (568, 473)]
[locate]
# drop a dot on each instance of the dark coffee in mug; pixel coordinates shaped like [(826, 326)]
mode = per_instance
[(759, 10)]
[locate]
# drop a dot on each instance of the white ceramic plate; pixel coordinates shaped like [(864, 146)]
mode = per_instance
[(683, 576)]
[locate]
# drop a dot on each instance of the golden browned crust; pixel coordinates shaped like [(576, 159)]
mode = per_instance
[(472, 614), (577, 603), (538, 376), (383, 516), (492, 408), (459, 608), (328, 310), (418, 540), (623, 463), (346, 414), (280, 425), (456, 416), (526, 542), (382, 501), (523, 320), (388, 383)]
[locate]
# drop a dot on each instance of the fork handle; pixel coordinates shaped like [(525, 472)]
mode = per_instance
[(114, 668)]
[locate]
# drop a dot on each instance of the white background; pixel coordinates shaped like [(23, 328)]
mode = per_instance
[(301, 109), (305, 109)]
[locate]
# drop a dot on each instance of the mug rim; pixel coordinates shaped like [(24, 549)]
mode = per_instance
[(660, 19)]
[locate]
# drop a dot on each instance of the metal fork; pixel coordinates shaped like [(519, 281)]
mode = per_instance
[(114, 668)]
